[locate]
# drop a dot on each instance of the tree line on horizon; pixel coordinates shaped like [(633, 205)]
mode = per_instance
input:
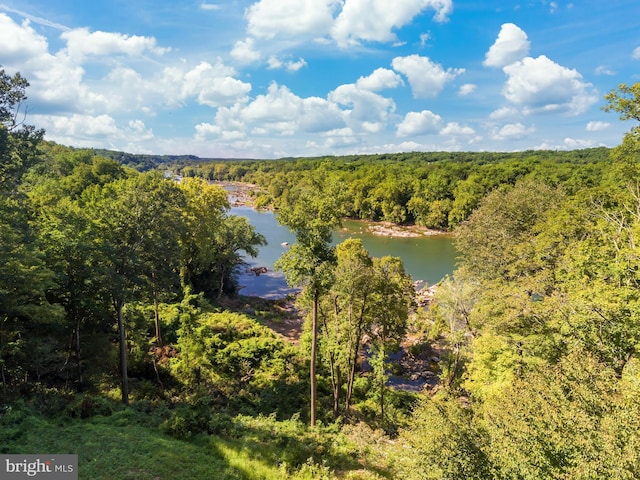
[(437, 190)]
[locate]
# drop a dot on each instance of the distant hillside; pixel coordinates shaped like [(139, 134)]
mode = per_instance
[(144, 162)]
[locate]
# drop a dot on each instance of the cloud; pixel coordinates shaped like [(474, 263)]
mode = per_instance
[(214, 85), (511, 45), (278, 112), (512, 131), (380, 79), (636, 53), (375, 20), (139, 131), (455, 129), (244, 51), (35, 19), (92, 130), (210, 6), (347, 22), (604, 70), (368, 110), (541, 85), (597, 126), (268, 19), (419, 123), (20, 42), (504, 112), (81, 44), (427, 78), (274, 63), (424, 38), (567, 144), (467, 89)]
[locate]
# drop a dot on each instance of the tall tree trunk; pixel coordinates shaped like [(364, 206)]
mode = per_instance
[(314, 347), (4, 379), (157, 319), (382, 378), (354, 359), (78, 353), (335, 373), (352, 371), (156, 310), (123, 352)]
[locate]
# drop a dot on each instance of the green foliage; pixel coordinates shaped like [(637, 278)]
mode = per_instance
[(247, 366), (444, 443), (538, 332), (556, 422)]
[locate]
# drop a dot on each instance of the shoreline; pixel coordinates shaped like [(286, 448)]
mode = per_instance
[(239, 196)]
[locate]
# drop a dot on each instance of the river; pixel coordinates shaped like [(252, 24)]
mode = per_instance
[(427, 258)]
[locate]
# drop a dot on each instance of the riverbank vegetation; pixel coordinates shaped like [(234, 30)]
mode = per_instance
[(122, 337)]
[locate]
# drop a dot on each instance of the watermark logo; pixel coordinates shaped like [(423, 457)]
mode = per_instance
[(45, 467)]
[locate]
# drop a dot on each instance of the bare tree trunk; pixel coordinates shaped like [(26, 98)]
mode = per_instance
[(335, 374), (314, 347), (352, 371), (382, 380), (154, 292), (4, 379), (123, 352), (78, 352), (157, 319)]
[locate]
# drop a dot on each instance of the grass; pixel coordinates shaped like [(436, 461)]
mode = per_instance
[(128, 445)]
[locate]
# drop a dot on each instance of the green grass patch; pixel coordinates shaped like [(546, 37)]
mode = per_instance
[(129, 445)]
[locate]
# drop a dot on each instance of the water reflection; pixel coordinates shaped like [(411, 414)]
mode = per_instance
[(425, 258)]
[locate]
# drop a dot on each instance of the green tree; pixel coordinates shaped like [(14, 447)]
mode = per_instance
[(135, 222), (394, 297), (555, 422), (444, 442), (626, 101), (495, 242), (345, 314), (451, 310), (26, 315), (312, 213), (213, 241)]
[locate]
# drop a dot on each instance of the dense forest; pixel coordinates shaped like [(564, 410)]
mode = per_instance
[(436, 190), (123, 338)]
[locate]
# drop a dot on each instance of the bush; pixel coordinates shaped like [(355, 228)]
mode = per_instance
[(186, 422), (87, 406)]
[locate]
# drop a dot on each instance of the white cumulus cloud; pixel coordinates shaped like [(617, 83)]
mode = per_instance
[(427, 78), (504, 112), (307, 18), (597, 126), (214, 85), (275, 63), (375, 20), (636, 53), (419, 123), (541, 85), (511, 45), (82, 43), (467, 89), (512, 131), (455, 129), (244, 51), (366, 110), (380, 79)]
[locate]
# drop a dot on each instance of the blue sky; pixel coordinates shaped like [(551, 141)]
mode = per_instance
[(276, 78)]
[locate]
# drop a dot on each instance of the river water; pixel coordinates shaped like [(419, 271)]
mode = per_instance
[(427, 258)]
